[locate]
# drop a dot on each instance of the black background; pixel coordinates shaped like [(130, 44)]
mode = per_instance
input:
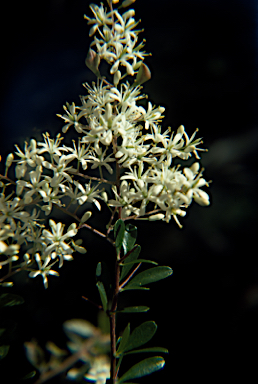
[(204, 71)]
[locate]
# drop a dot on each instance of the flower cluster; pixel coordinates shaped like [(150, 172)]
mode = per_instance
[(115, 41), (119, 134)]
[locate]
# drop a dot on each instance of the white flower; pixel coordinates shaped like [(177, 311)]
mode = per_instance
[(88, 194), (153, 115), (44, 269), (101, 17), (56, 241), (72, 118), (98, 96), (194, 184), (6, 248), (50, 196), (50, 146), (101, 160), (29, 156), (11, 210), (125, 199), (34, 185), (81, 153), (61, 169)]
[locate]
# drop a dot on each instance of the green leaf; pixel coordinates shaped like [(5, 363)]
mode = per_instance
[(134, 287), (103, 295), (130, 236), (140, 308), (139, 261), (148, 276), (131, 258), (29, 375), (143, 368), (152, 349), (124, 339), (9, 299), (103, 275), (98, 270), (119, 231), (141, 335), (4, 350)]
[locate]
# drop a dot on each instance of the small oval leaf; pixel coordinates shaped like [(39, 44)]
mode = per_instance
[(124, 339), (143, 368), (139, 261), (150, 275), (119, 231), (152, 349), (130, 236), (131, 258), (29, 375), (141, 335), (140, 308), (103, 295), (98, 270)]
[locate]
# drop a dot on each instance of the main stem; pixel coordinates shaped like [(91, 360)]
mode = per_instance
[(112, 313), (113, 371)]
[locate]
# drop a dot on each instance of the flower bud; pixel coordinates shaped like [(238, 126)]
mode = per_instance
[(128, 14), (127, 3), (117, 77), (114, 67), (104, 196), (181, 129), (195, 167), (85, 217), (158, 216), (9, 160)]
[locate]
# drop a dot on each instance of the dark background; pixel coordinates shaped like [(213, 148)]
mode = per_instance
[(204, 71)]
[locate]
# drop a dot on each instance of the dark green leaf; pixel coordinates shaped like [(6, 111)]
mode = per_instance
[(98, 270), (139, 261), (140, 308), (141, 335), (130, 236), (4, 350), (9, 299), (124, 340), (103, 275), (29, 375), (131, 258), (148, 276), (143, 368), (103, 295), (135, 287), (152, 349), (119, 231)]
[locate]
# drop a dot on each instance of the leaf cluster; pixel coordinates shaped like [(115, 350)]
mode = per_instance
[(130, 279)]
